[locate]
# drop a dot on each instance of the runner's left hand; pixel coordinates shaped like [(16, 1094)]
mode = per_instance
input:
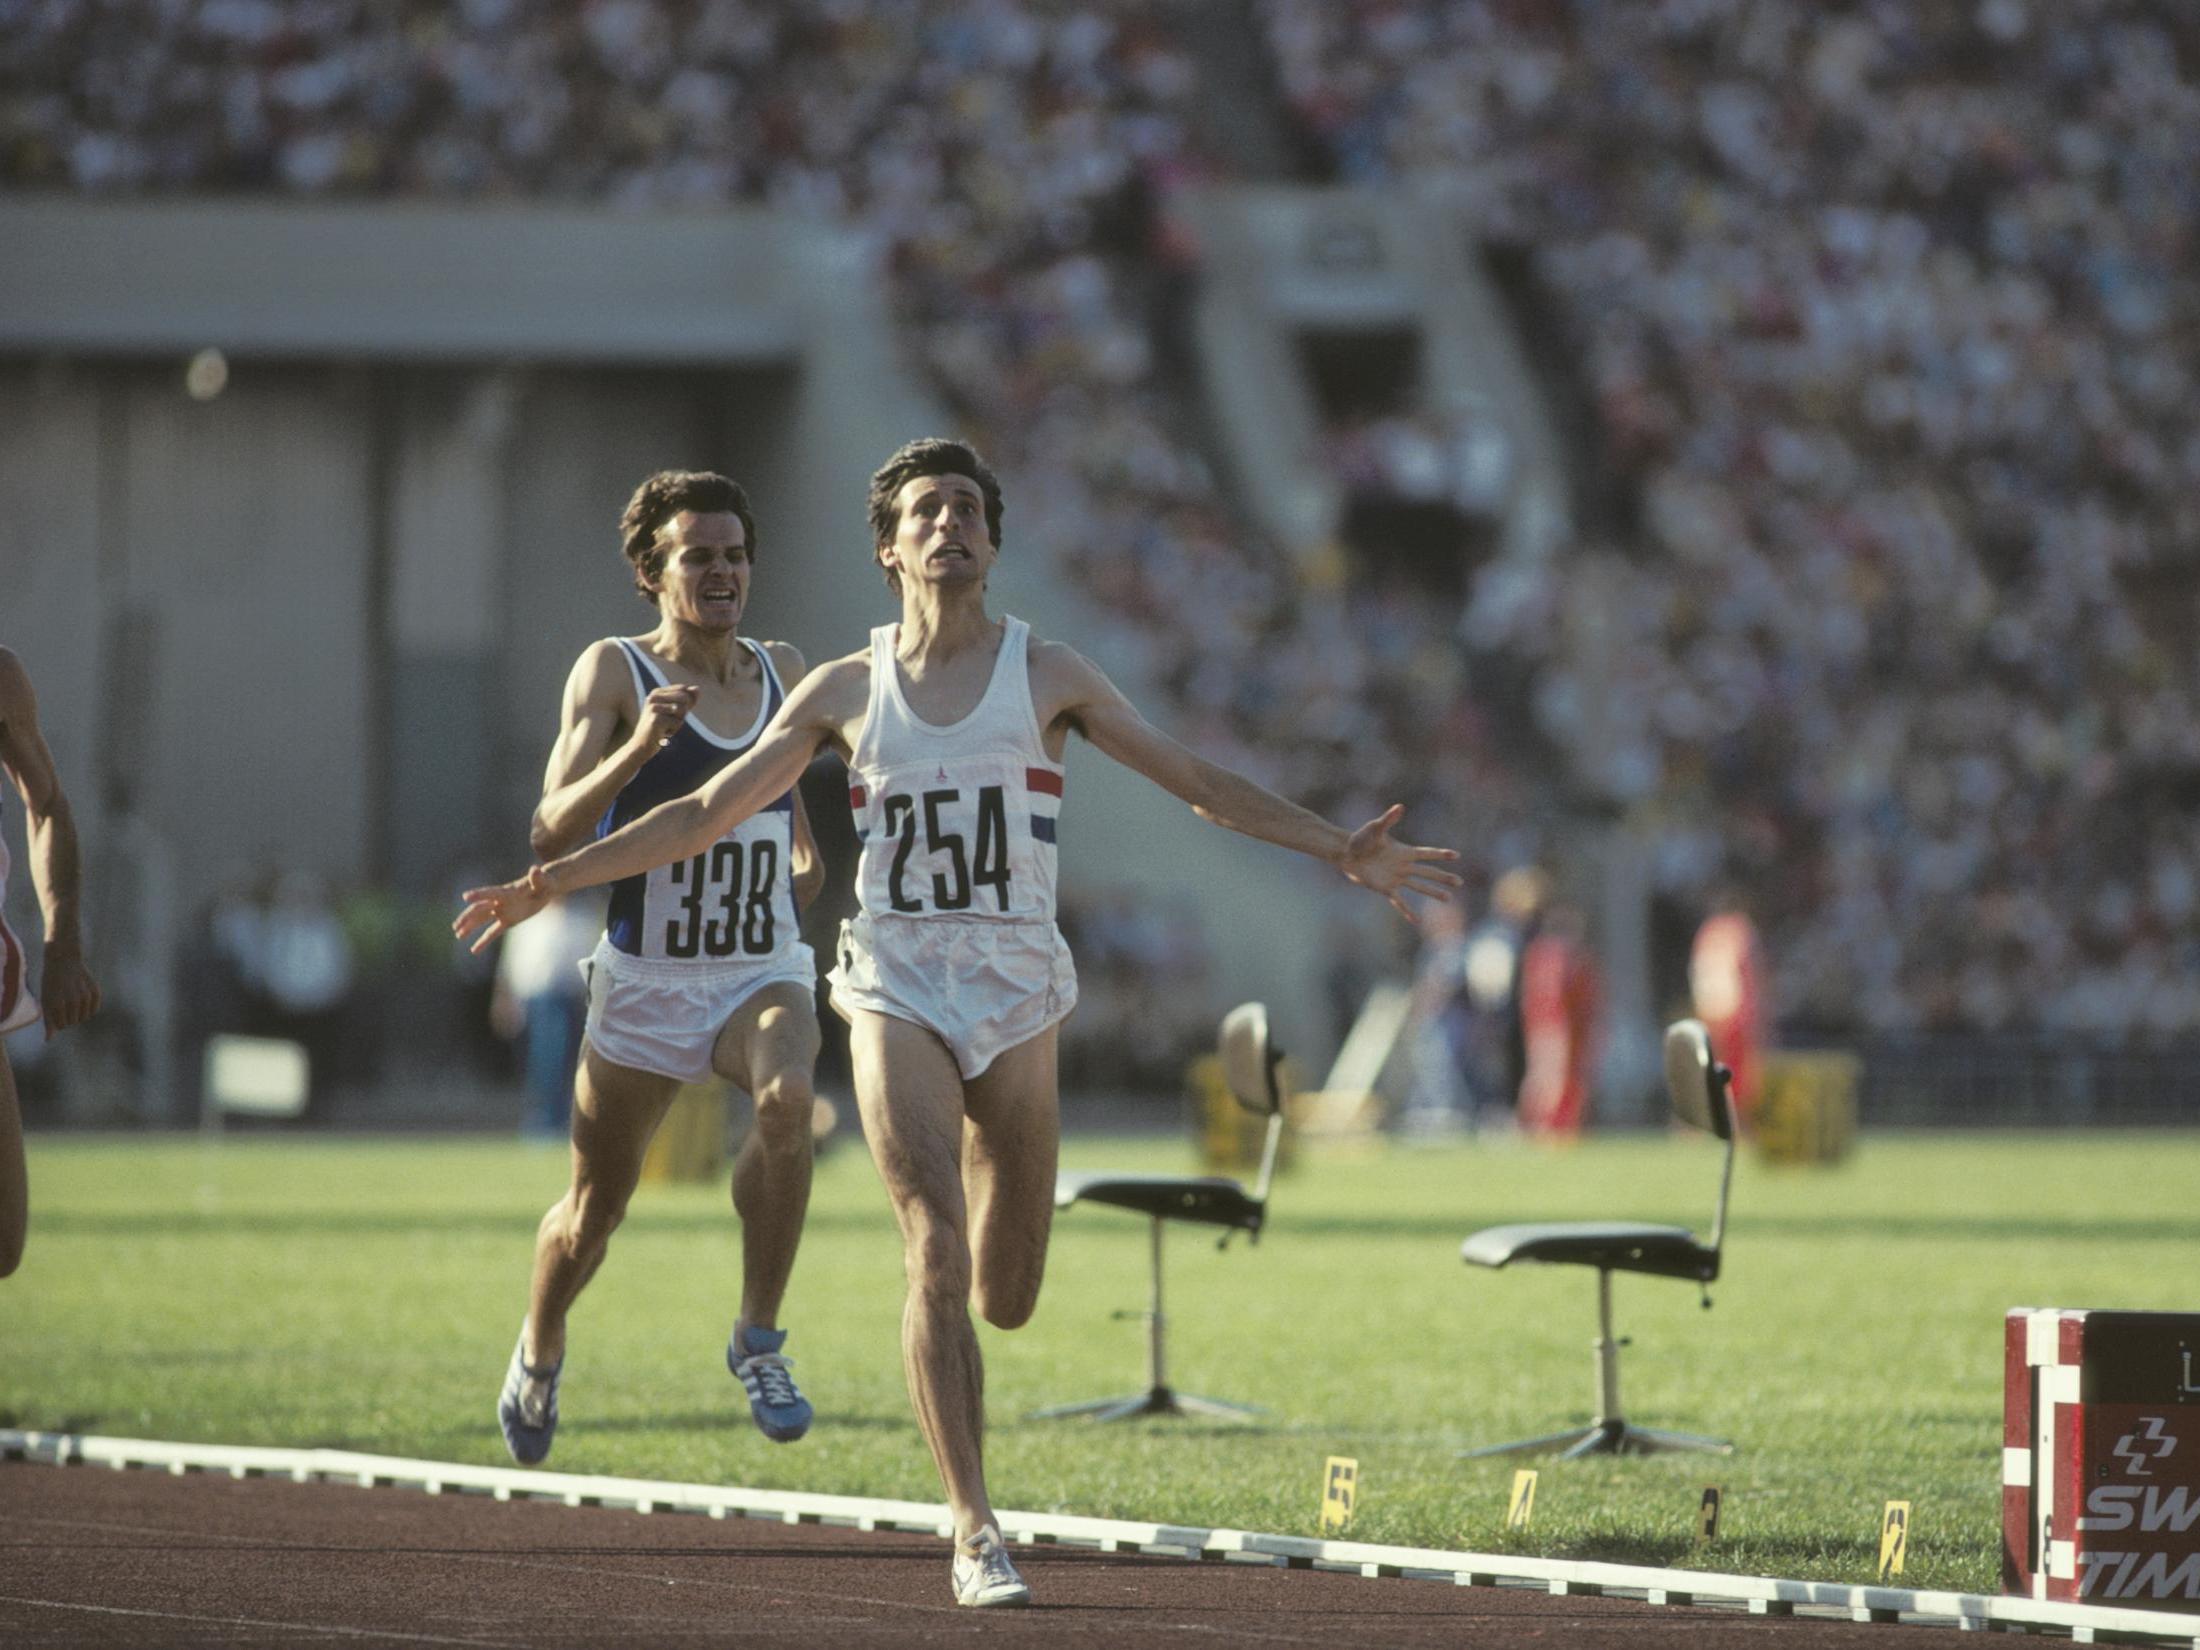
[(495, 911), (67, 992), (1373, 859)]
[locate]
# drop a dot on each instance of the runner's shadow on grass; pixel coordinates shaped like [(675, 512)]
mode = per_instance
[(367, 1222), (1754, 1555), (1960, 1228), (733, 1420), (1175, 1432), (76, 1426), (643, 1223), (1975, 1228)]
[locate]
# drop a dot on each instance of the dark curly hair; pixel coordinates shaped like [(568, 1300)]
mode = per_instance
[(928, 456), (663, 496)]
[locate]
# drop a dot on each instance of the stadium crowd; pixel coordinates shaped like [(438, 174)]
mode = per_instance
[(1025, 217), (1886, 313), (1889, 320)]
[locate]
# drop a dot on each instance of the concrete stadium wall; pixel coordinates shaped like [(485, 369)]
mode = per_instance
[(358, 576), (184, 580)]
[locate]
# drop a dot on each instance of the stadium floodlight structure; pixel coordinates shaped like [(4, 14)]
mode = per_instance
[(1252, 1068), (1701, 1090)]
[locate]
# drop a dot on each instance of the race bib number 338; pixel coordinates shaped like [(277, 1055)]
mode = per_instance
[(723, 901)]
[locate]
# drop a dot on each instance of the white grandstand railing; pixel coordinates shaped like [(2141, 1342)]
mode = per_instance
[(1762, 1595)]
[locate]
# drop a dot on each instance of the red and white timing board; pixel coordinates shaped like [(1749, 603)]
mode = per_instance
[(2100, 1498)]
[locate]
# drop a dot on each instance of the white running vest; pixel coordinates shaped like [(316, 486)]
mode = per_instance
[(956, 821), (18, 1008)]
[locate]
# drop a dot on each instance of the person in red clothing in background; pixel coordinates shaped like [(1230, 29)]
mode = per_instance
[(1562, 1024), (1726, 985)]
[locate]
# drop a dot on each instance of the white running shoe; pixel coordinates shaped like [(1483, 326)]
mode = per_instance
[(985, 1577)]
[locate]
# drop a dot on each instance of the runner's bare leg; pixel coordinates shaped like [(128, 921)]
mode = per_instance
[(615, 1111), (911, 1097), (15, 1183), (1011, 1146), (770, 1048)]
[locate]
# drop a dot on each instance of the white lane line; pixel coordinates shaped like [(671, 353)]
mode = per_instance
[(556, 1568), (890, 1605), (182, 1539), (175, 1537), (272, 1626), (712, 1583)]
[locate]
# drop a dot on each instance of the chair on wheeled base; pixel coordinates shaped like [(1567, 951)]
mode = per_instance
[(1250, 1066), (1700, 1089)]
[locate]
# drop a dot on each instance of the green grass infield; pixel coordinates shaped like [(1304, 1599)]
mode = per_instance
[(365, 1294)]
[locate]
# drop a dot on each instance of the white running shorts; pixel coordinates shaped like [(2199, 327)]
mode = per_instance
[(660, 1016), (981, 987), (18, 1008)]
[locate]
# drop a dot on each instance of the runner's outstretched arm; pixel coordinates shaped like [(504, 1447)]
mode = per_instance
[(1369, 856), (671, 830)]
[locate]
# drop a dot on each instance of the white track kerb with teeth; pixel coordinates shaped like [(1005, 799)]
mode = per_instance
[(1761, 1595)]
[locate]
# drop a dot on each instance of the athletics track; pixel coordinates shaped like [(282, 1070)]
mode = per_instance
[(201, 1555)]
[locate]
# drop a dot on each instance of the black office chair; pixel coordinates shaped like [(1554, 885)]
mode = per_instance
[(1251, 1066), (1699, 1087)]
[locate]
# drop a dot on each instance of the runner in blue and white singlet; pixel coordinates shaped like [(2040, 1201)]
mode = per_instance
[(733, 901), (686, 944), (701, 972)]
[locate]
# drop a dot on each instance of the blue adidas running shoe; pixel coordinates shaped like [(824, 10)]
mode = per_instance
[(782, 1413), (527, 1408)]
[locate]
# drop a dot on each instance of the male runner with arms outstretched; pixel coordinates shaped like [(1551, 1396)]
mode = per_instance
[(701, 968), (71, 994), (953, 977)]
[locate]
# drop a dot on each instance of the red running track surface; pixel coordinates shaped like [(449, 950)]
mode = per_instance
[(150, 1561)]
